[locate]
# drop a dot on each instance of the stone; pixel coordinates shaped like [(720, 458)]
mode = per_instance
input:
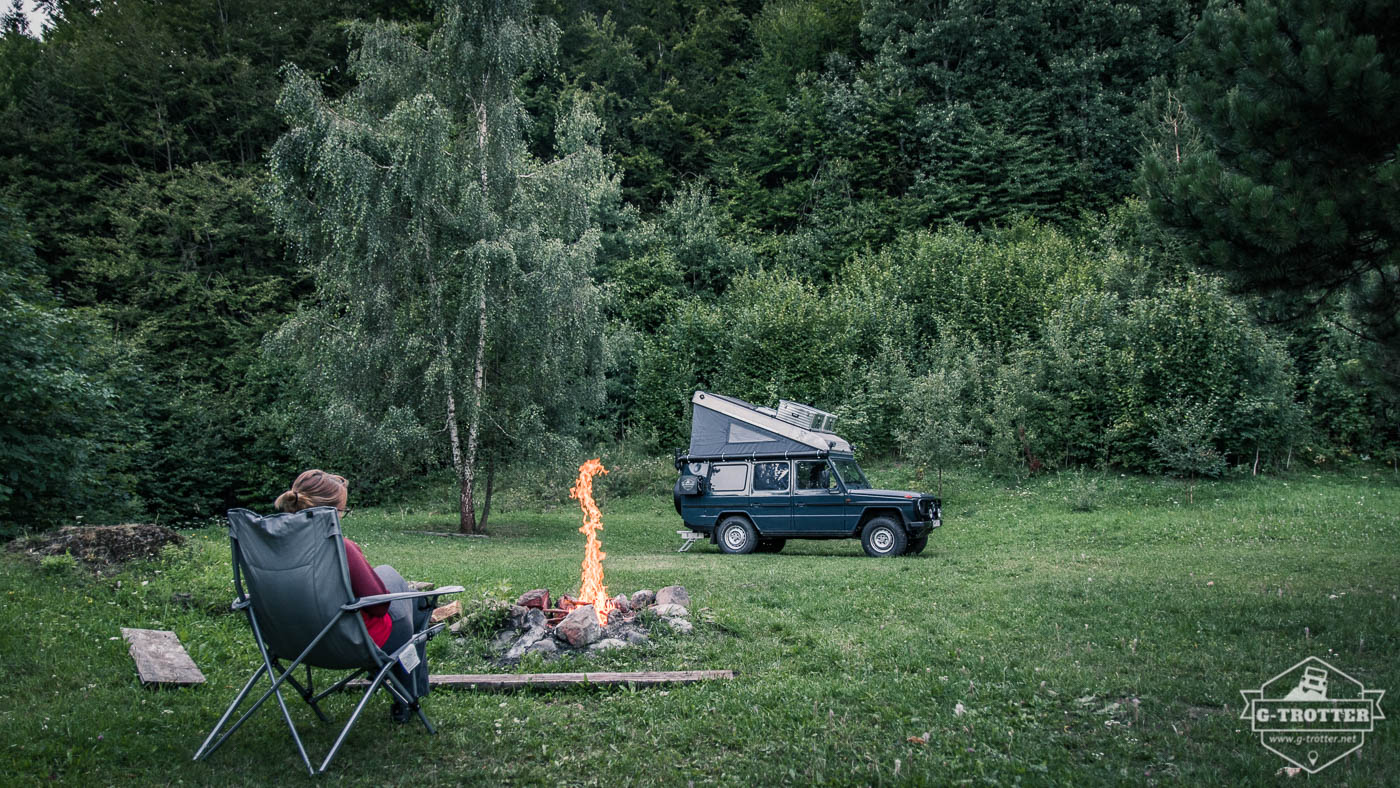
[(534, 619), (580, 628), (607, 643), (622, 604), (638, 638), (641, 599), (538, 598), (420, 585), (671, 611), (517, 615), (673, 595), (447, 612), (503, 639), (543, 646), (525, 642), (680, 625)]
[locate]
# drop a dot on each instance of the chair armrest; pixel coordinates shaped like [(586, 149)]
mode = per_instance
[(379, 599)]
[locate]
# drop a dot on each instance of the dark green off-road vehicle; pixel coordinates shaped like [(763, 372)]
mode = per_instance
[(755, 477)]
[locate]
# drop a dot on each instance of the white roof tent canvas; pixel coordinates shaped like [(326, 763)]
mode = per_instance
[(723, 426)]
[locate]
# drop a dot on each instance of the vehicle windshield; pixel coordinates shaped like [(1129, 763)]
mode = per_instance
[(851, 474)]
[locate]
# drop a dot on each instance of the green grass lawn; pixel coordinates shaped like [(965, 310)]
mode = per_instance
[(1082, 647)]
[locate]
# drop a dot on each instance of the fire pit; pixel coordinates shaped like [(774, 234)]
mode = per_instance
[(536, 626), (592, 620)]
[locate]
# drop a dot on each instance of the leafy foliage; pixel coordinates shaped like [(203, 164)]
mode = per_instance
[(451, 265)]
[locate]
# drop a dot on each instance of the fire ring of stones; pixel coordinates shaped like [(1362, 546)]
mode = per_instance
[(536, 627)]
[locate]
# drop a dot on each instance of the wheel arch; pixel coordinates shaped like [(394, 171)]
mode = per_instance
[(881, 511)]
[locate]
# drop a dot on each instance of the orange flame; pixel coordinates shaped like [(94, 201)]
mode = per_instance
[(591, 590)]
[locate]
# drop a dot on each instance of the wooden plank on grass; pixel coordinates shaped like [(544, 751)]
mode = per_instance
[(512, 681), (160, 659)]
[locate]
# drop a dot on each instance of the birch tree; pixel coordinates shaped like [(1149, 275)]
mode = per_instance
[(448, 262)]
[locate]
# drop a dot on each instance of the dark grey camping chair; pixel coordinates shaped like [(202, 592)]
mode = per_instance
[(301, 608)]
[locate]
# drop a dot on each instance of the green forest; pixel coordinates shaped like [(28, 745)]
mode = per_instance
[(454, 238)]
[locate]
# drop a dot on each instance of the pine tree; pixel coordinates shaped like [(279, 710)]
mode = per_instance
[(1295, 189)]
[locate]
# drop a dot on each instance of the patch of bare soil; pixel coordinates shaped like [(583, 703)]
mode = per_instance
[(100, 546)]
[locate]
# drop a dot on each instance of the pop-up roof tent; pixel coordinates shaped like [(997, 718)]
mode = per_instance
[(723, 426)]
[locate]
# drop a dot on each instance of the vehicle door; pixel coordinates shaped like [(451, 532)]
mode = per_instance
[(771, 502), (819, 503), (727, 489)]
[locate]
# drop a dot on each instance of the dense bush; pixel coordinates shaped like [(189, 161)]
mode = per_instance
[(66, 436), (1020, 348)]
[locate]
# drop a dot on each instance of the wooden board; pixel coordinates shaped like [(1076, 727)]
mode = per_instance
[(160, 659), (510, 681)]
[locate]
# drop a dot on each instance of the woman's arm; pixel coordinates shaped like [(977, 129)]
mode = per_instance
[(363, 580)]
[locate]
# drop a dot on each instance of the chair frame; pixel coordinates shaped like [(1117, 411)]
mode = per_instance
[(272, 667)]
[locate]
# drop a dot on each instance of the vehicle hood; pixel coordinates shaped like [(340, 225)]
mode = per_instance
[(885, 495)]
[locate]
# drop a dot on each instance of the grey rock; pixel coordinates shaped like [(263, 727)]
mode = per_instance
[(543, 646), (673, 595), (580, 628), (680, 625), (622, 604), (527, 639), (607, 643), (535, 619), (503, 639), (638, 638), (519, 648), (517, 615), (641, 599), (671, 611)]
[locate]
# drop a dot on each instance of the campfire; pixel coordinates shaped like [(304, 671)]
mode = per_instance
[(592, 620), (592, 590)]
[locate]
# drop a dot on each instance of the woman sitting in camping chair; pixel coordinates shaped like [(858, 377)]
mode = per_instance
[(390, 625)]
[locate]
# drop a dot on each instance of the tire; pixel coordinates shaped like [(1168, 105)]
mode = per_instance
[(773, 545), (916, 545), (736, 536), (883, 538)]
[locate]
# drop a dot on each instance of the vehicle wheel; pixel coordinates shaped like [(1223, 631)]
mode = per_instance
[(736, 536), (916, 545), (883, 538), (774, 545)]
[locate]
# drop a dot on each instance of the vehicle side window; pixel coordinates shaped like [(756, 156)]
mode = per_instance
[(813, 475), (729, 478), (770, 476)]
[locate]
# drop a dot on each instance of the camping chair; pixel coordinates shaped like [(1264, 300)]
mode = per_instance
[(300, 607)]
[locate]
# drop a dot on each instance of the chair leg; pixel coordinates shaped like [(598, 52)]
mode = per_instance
[(359, 708), (204, 749), (419, 709), (286, 715)]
